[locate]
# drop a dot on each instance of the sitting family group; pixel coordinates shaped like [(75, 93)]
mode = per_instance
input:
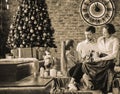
[(92, 62)]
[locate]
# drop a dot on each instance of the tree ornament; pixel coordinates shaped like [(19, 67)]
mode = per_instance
[(15, 46), (24, 27), (41, 18), (37, 10), (48, 40), (37, 44), (45, 28), (23, 14), (26, 46), (35, 22), (29, 7), (39, 28), (41, 24), (15, 31), (11, 31), (48, 34), (43, 9), (21, 22), (19, 27), (45, 21), (32, 18), (23, 42), (33, 35), (41, 14), (25, 11), (18, 8), (28, 37), (23, 36), (43, 38), (37, 32), (44, 13), (23, 5), (8, 39), (38, 37), (33, 8), (31, 30), (12, 44), (31, 39), (11, 26), (44, 34), (30, 22), (15, 35), (12, 39), (17, 20), (36, 28), (40, 7), (20, 31), (21, 45), (33, 13), (26, 19), (26, 6), (45, 45), (17, 13)]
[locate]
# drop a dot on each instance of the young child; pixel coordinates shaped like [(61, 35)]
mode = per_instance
[(73, 65), (71, 56), (49, 62)]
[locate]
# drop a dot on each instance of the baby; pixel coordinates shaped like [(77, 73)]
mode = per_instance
[(48, 60), (48, 63)]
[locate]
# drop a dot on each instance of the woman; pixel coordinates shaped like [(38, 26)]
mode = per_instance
[(100, 71)]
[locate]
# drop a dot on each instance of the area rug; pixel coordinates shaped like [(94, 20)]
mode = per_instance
[(30, 81)]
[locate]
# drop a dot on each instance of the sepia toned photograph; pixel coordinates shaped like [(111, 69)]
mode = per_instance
[(59, 46)]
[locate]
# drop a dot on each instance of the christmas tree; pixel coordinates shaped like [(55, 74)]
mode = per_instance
[(31, 26)]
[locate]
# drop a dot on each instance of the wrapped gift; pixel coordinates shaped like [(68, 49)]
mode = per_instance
[(14, 52), (34, 52), (24, 52), (37, 52), (9, 56), (40, 52)]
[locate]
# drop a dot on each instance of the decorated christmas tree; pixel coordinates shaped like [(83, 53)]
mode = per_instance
[(31, 26)]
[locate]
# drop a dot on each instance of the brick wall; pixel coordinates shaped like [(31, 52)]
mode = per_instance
[(65, 19), (67, 22)]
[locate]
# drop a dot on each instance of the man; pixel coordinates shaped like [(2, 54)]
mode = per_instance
[(85, 47), (84, 50)]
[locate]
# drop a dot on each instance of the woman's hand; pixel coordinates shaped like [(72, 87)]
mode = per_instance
[(95, 55), (97, 59)]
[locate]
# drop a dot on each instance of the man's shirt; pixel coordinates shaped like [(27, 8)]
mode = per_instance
[(84, 49)]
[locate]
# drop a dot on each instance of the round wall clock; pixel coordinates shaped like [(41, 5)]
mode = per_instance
[(97, 12)]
